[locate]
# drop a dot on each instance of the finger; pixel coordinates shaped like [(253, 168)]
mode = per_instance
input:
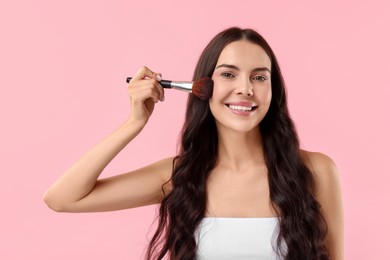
[(157, 92), (155, 84), (160, 90), (158, 76), (144, 72), (145, 94), (147, 89)]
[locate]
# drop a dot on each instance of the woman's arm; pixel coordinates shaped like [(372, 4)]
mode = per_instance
[(328, 194), (79, 190)]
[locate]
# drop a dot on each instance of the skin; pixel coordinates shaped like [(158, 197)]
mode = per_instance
[(237, 81), (240, 168)]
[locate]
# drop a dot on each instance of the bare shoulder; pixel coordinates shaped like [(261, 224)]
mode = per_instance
[(329, 196), (323, 167)]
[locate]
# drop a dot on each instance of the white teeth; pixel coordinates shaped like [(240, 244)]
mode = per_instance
[(240, 108)]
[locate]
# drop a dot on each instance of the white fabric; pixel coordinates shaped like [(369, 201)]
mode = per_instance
[(237, 238)]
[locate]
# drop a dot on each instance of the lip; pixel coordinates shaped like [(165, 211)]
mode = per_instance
[(243, 104)]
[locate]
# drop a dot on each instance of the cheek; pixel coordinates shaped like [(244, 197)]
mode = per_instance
[(219, 91), (269, 95), (265, 94), (219, 94)]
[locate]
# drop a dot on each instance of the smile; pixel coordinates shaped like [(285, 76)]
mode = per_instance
[(242, 108)]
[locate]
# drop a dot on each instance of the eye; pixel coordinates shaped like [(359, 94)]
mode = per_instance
[(227, 75), (260, 78)]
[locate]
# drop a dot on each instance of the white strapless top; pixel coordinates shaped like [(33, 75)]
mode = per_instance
[(237, 238)]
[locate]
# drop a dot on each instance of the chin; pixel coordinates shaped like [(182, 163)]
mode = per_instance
[(239, 127)]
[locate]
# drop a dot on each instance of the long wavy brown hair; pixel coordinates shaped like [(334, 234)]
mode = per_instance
[(302, 228)]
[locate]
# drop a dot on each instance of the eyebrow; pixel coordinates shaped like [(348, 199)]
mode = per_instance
[(236, 68)]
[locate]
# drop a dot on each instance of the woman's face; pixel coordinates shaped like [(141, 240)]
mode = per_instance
[(242, 86)]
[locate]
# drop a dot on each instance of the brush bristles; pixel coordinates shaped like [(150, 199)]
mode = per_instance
[(203, 88)]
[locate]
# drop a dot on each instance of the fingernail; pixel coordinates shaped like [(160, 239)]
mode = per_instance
[(158, 77)]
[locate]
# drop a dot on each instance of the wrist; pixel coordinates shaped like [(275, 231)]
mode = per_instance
[(135, 123)]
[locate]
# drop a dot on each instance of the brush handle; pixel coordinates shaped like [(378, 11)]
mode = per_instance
[(164, 83)]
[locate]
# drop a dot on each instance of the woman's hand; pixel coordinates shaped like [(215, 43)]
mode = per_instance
[(144, 91)]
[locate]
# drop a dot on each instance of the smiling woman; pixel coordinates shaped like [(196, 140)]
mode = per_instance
[(242, 87), (240, 186)]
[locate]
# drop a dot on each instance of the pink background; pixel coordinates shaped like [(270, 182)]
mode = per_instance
[(63, 65)]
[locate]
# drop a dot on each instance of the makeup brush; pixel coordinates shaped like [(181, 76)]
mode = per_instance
[(202, 88)]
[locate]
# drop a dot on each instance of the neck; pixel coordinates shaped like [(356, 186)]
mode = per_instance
[(237, 150)]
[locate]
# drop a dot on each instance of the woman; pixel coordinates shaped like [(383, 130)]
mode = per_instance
[(240, 181)]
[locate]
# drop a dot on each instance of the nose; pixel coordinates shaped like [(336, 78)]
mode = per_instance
[(245, 88)]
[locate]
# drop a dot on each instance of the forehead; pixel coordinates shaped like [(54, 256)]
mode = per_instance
[(244, 54)]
